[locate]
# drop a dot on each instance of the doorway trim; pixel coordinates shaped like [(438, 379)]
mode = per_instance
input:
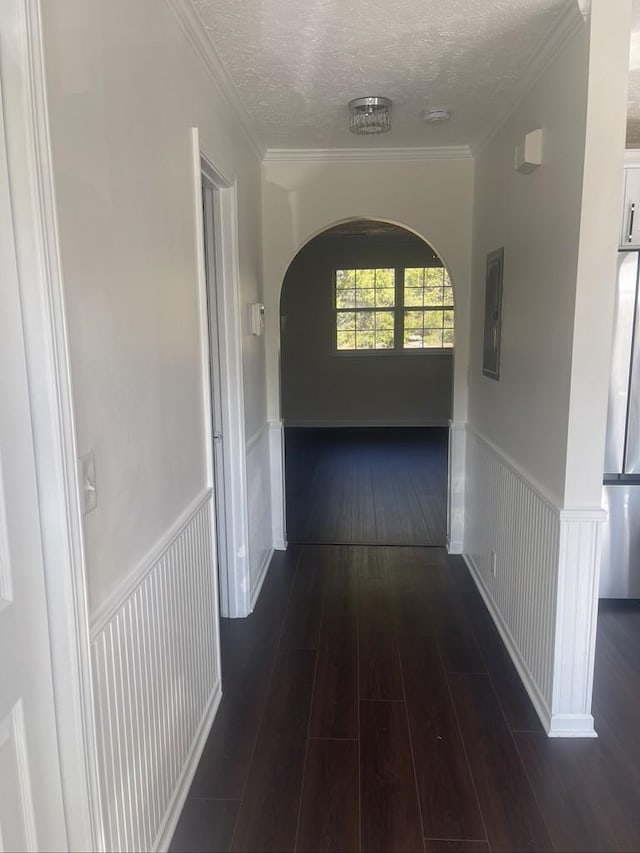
[(234, 587), (32, 199)]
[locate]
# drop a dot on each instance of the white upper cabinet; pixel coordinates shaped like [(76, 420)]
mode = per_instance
[(630, 226)]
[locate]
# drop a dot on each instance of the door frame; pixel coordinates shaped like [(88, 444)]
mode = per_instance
[(36, 237), (234, 586)]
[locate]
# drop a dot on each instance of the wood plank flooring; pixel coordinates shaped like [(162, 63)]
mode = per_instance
[(369, 702), (353, 720), (366, 486)]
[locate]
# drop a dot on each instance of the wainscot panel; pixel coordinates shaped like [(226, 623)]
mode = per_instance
[(260, 521), (157, 685), (536, 566)]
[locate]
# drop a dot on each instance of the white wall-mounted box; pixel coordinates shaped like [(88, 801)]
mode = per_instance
[(529, 152)]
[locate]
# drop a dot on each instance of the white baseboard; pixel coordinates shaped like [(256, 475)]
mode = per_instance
[(535, 694), (262, 574), (367, 423), (454, 547), (572, 725), (179, 798), (280, 545)]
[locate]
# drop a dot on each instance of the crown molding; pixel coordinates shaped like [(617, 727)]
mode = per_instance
[(194, 30), (324, 155), (571, 20)]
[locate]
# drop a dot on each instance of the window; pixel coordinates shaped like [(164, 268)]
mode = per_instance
[(404, 308)]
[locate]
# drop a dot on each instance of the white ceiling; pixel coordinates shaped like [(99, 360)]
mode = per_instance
[(296, 63)]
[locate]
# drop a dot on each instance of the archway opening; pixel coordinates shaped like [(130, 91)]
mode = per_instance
[(367, 346)]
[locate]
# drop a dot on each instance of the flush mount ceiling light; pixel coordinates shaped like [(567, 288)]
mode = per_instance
[(436, 116), (369, 115)]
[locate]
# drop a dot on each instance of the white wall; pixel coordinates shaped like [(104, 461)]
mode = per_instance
[(536, 218), (125, 88), (535, 439), (433, 198)]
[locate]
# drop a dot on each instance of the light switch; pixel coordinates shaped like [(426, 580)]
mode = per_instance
[(88, 490)]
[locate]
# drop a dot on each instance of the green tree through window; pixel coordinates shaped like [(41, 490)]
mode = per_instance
[(374, 313)]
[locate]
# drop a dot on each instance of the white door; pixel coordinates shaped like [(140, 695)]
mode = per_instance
[(211, 271), (31, 806)]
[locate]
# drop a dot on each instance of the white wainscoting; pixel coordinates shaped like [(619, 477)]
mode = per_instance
[(278, 507), (536, 566), (156, 665), (456, 486), (259, 492)]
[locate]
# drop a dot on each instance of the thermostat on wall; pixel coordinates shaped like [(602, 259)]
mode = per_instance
[(256, 318)]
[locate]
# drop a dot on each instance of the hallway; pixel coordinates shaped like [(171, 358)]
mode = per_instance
[(369, 704), (375, 486)]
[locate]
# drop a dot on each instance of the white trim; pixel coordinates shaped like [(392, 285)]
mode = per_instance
[(632, 158), (262, 574), (181, 792), (12, 728), (234, 588), (547, 497), (576, 621), (555, 655), (197, 36), (255, 438), (364, 424), (30, 165), (568, 24), (572, 725), (324, 155), (456, 486), (539, 702), (278, 498), (119, 597)]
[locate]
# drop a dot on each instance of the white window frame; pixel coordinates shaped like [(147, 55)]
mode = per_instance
[(397, 309)]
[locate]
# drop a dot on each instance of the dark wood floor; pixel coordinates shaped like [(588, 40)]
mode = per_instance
[(366, 486), (369, 704)]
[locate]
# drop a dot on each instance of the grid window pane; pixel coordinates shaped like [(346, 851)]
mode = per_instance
[(385, 278), (384, 320), (346, 321), (345, 298), (385, 297), (346, 340), (365, 298), (345, 279), (372, 293), (428, 288), (414, 296), (414, 277), (365, 321), (432, 337)]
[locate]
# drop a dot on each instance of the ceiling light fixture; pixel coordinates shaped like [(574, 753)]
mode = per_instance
[(436, 116), (369, 115)]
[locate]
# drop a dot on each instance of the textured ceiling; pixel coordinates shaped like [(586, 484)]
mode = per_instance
[(296, 64)]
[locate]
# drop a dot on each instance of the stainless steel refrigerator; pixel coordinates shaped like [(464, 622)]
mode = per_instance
[(620, 566)]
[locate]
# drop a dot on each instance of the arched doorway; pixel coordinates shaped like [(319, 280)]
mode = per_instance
[(367, 341)]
